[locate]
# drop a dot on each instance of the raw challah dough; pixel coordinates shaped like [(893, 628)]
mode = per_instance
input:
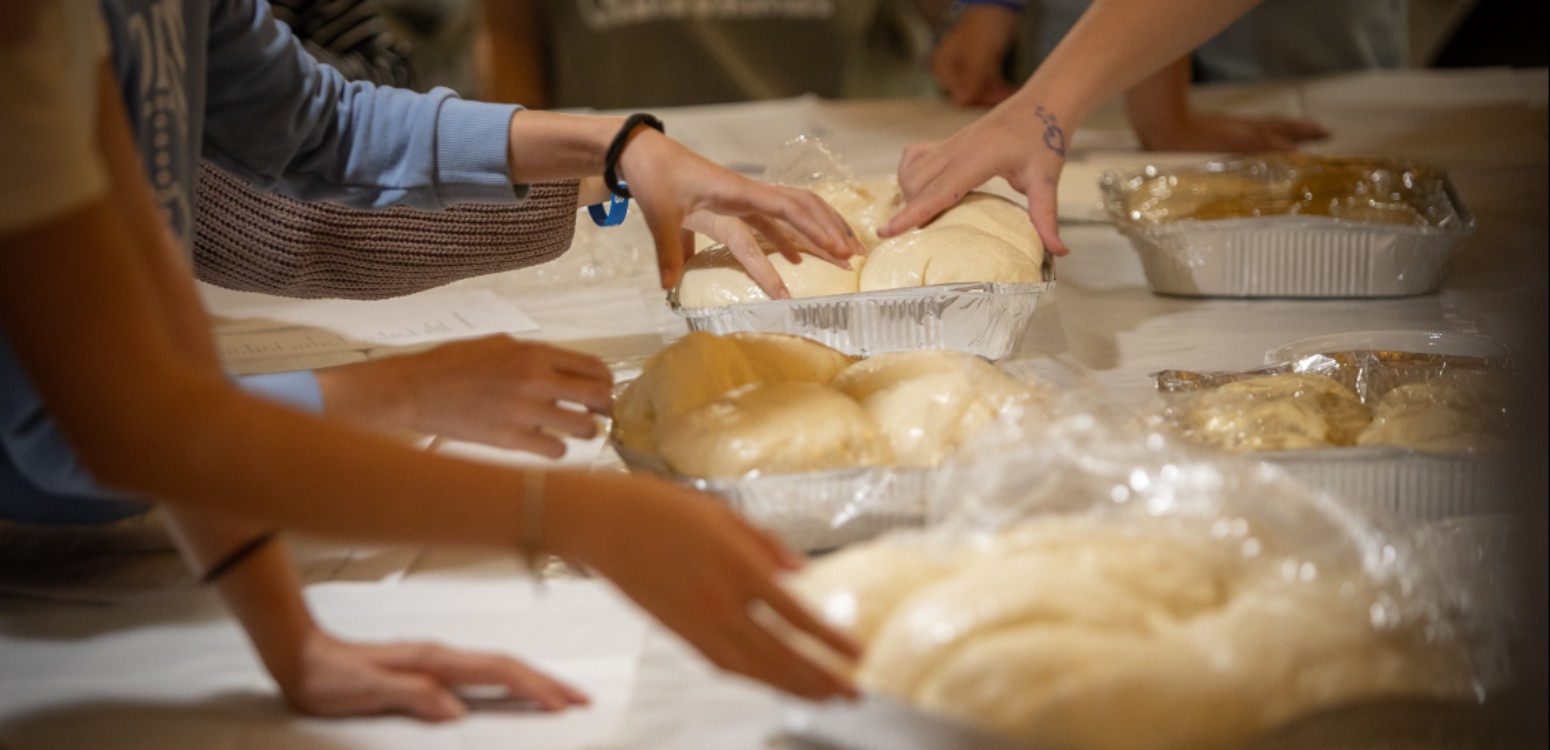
[(945, 255), (700, 367), (715, 278), (1460, 411), (1286, 411), (928, 402), (866, 205), (816, 408), (773, 427), (998, 217), (1088, 633)]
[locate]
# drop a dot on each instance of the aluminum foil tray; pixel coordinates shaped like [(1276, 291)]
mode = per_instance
[(818, 511), (1285, 255), (982, 319), (1417, 485)]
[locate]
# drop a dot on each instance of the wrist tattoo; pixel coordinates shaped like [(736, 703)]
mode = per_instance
[(1054, 135)]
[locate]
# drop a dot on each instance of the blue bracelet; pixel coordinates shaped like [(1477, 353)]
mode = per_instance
[(612, 216)]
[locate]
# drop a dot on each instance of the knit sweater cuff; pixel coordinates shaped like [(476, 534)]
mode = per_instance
[(472, 139)]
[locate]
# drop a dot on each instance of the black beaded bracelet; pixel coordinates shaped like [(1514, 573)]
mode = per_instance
[(236, 556), (611, 160)]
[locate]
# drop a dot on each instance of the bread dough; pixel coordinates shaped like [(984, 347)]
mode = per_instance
[(1095, 633), (694, 371), (783, 356), (866, 205), (1460, 411), (928, 403), (1287, 411), (772, 428), (714, 277), (998, 217), (947, 255)]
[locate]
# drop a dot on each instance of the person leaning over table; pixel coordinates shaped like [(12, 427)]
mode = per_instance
[(498, 390), (1114, 45), (971, 58), (108, 371)]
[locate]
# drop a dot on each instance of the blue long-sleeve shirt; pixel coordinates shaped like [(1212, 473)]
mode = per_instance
[(224, 80)]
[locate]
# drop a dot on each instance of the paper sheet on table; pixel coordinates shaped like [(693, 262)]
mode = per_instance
[(173, 672)]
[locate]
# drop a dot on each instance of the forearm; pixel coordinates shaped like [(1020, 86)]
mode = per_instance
[(555, 146), (1159, 104), (1115, 45)]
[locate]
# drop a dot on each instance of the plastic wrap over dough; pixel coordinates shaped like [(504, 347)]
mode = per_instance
[(928, 402), (946, 255), (1285, 411), (773, 427), (866, 205), (1460, 411), (714, 277)]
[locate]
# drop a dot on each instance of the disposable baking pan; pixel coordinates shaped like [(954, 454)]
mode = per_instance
[(1292, 255), (981, 318), (813, 511)]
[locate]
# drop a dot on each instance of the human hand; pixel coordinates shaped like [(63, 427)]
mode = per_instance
[(338, 678), (705, 573), (1218, 132), (1019, 140), (495, 390), (967, 60), (679, 191)]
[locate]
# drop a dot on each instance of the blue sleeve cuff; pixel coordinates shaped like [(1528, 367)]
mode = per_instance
[(471, 144), (298, 390)]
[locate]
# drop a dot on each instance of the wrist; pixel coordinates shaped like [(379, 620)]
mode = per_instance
[(551, 146)]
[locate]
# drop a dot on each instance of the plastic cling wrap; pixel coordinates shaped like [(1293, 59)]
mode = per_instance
[(1087, 585), (1290, 225), (818, 446), (1420, 434)]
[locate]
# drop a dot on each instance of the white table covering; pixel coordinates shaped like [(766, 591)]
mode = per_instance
[(172, 671)]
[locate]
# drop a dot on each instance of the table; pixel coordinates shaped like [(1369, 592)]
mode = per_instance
[(169, 670)]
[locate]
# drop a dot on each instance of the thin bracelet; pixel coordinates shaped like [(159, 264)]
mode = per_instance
[(613, 216), (237, 556), (532, 521), (616, 147)]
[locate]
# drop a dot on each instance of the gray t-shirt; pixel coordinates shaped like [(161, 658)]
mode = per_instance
[(614, 54), (1276, 39)]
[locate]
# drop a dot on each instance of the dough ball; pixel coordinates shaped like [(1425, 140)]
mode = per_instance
[(928, 403), (1460, 411), (780, 356), (998, 217), (866, 205), (946, 255), (1287, 411), (714, 277), (772, 428), (693, 371)]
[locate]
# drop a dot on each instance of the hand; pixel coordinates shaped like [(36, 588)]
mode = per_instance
[(1215, 132), (1018, 140), (494, 390), (673, 185), (701, 570), (338, 678), (967, 60)]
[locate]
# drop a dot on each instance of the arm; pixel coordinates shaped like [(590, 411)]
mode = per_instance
[(1115, 45), (162, 422), (967, 61), (1160, 112)]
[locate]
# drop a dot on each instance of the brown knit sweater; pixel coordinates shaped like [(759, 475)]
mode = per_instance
[(261, 242)]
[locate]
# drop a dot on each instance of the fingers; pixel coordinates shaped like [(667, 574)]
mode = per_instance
[(734, 641), (826, 234), (666, 233), (919, 211), (1042, 212), (417, 695), (452, 667), (799, 617), (746, 249)]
